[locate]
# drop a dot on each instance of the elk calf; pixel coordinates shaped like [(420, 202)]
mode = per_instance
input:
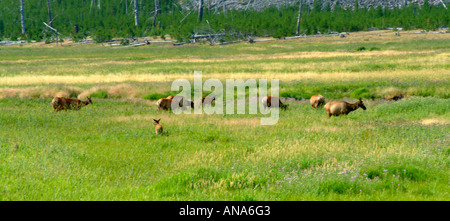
[(336, 108), (316, 100), (270, 101), (62, 103), (158, 128)]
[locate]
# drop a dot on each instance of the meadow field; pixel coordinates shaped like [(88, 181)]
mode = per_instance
[(394, 150)]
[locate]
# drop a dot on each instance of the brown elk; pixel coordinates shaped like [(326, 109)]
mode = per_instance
[(316, 100), (164, 104), (336, 108), (62, 103), (267, 102), (206, 100), (184, 103), (158, 128)]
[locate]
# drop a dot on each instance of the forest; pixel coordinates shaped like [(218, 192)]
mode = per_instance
[(104, 20)]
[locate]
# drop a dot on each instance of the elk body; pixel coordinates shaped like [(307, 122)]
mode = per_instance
[(158, 127), (206, 100), (316, 100), (270, 101), (164, 104), (336, 108), (184, 103), (62, 103)]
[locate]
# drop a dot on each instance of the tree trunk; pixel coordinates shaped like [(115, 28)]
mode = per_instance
[(200, 10), (156, 12), (22, 17), (297, 33), (443, 4), (136, 13), (49, 13)]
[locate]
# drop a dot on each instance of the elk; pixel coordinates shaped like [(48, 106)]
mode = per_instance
[(164, 104), (184, 103), (206, 100), (336, 108), (316, 100), (158, 128), (267, 102), (62, 103)]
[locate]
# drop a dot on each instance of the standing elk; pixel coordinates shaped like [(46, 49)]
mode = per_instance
[(158, 128), (267, 102), (336, 108), (316, 100), (62, 103)]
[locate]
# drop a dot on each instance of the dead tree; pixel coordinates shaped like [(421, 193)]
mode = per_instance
[(49, 13), (297, 33), (156, 12), (200, 10), (136, 13), (93, 2), (443, 4), (22, 16), (52, 29)]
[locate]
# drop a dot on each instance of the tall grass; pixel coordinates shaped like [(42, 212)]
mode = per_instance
[(108, 151)]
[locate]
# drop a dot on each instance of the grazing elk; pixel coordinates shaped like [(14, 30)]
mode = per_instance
[(158, 128), (267, 102), (337, 108), (316, 100), (207, 100), (164, 104), (62, 103), (184, 103)]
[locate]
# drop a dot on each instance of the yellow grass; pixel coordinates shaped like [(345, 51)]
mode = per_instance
[(435, 121), (24, 80)]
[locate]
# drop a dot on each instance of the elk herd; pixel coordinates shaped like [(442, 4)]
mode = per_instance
[(332, 108)]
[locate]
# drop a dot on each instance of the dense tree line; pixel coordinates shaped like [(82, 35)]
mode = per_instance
[(104, 20)]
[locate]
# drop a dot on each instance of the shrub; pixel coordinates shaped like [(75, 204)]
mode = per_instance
[(100, 94), (361, 48), (124, 41), (102, 35), (295, 94), (156, 96), (361, 93)]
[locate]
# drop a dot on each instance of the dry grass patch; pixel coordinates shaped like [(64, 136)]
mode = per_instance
[(39, 92), (434, 121), (324, 129), (253, 122), (91, 79)]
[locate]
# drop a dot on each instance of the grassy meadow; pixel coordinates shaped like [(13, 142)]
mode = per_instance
[(395, 150)]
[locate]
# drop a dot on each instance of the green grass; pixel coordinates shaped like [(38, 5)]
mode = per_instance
[(108, 151)]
